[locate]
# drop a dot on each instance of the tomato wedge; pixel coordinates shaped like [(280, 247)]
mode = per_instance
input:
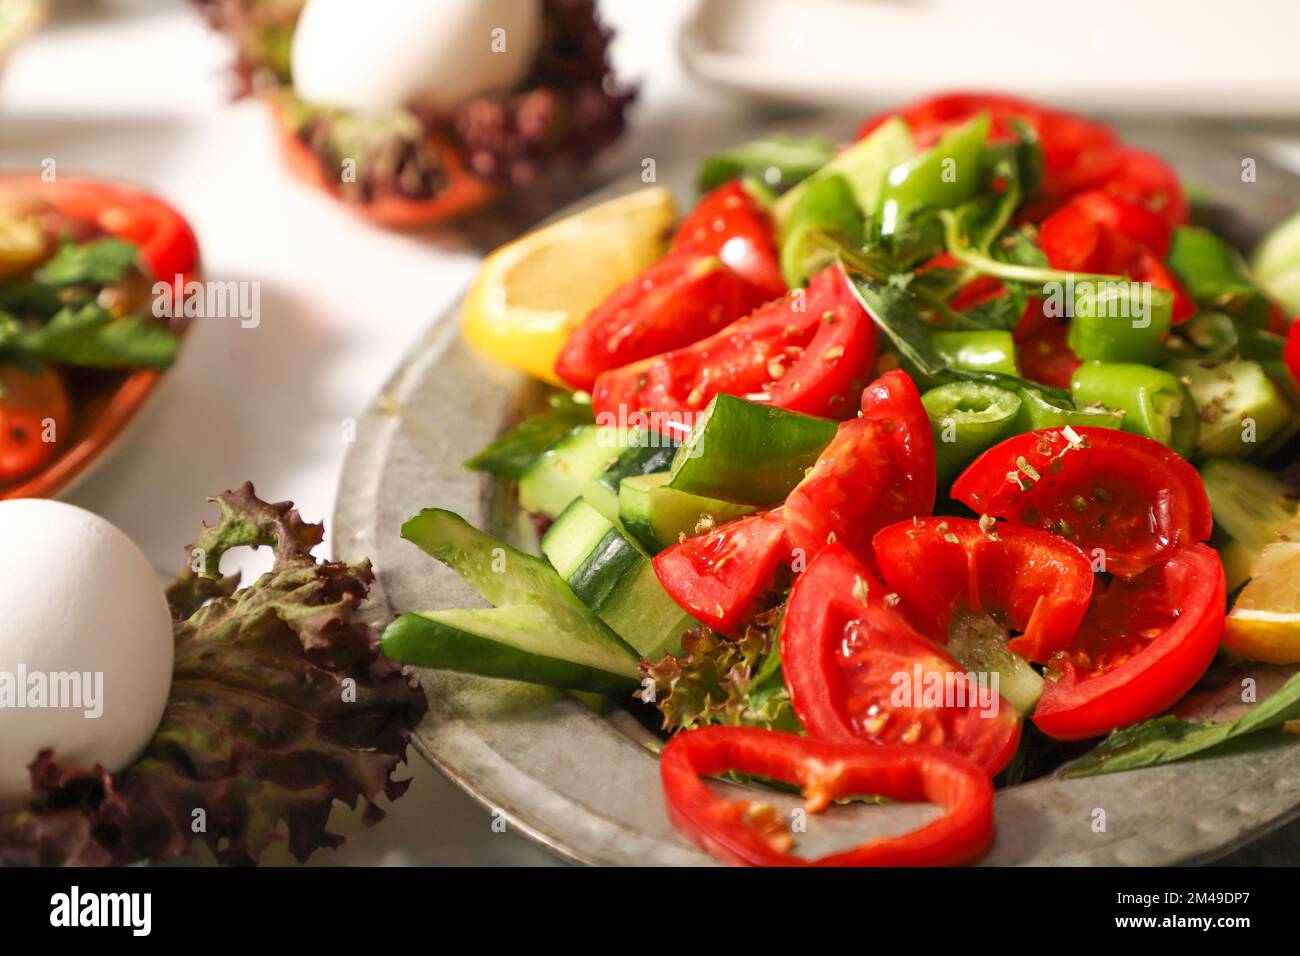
[(750, 833), (1098, 233), (1291, 352), (878, 469), (809, 352), (1143, 645), (1131, 174), (718, 575), (852, 666), (729, 224), (677, 300), (166, 243), (1042, 347), (34, 405), (1121, 497), (1032, 582)]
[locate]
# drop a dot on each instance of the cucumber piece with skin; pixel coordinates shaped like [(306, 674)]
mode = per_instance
[(611, 575), (538, 630), (1251, 505), (646, 453), (657, 515), (572, 469), (748, 453), (1240, 407)]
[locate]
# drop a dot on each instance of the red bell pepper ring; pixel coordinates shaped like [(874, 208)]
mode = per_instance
[(856, 671), (729, 224), (679, 299), (1143, 645), (1124, 499), (751, 834), (1035, 582), (719, 575), (809, 352), (879, 468)]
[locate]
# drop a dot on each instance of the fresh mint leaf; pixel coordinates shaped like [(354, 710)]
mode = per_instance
[(1167, 739), (98, 262), (90, 336)]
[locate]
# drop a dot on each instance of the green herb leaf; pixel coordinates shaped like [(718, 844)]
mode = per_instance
[(89, 335), (98, 262), (1167, 739)]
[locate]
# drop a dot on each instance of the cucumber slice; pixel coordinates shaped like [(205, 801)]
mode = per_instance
[(536, 615), (656, 515), (572, 469), (646, 453), (494, 642), (613, 577), (1240, 406), (749, 453), (1250, 507), (979, 644)]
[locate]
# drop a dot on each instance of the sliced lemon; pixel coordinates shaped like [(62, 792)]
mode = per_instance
[(22, 242), (1264, 624), (531, 293)]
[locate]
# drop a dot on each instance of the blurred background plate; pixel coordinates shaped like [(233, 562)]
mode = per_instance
[(1231, 60), (586, 785)]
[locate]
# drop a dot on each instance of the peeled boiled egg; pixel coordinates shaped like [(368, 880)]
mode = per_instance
[(85, 641), (374, 56)]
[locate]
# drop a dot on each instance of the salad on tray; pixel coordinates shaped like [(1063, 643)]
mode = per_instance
[(911, 469)]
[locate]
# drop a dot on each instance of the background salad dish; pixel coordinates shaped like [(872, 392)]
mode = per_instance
[(81, 345), (978, 400)]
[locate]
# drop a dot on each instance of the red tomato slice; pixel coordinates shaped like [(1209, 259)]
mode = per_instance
[(165, 240), (729, 224), (750, 833), (1131, 219), (1131, 174), (680, 299), (718, 575), (1143, 645), (1127, 496), (1032, 582), (1082, 237), (29, 402), (1042, 348), (809, 352), (878, 469), (852, 666)]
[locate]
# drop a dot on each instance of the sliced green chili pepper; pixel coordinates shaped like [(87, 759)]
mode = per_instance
[(1119, 321), (826, 206), (778, 161), (1037, 411), (991, 350), (1154, 402), (967, 417), (1241, 409), (942, 177), (1215, 275)]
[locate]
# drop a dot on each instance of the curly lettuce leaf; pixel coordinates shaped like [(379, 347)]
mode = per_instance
[(722, 681), (280, 705)]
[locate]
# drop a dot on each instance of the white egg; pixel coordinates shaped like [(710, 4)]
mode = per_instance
[(83, 617), (373, 56)]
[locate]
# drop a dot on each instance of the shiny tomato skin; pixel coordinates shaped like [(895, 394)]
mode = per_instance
[(729, 224), (1133, 175), (809, 351), (1145, 643), (878, 469), (1033, 582), (1291, 351), (718, 575), (30, 402), (843, 653), (1127, 496), (747, 833), (677, 300), (1131, 219), (1042, 348)]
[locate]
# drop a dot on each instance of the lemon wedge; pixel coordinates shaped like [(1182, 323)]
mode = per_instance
[(22, 243), (531, 293), (1264, 624)]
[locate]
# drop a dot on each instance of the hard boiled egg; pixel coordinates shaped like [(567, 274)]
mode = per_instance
[(85, 641), (373, 56)]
